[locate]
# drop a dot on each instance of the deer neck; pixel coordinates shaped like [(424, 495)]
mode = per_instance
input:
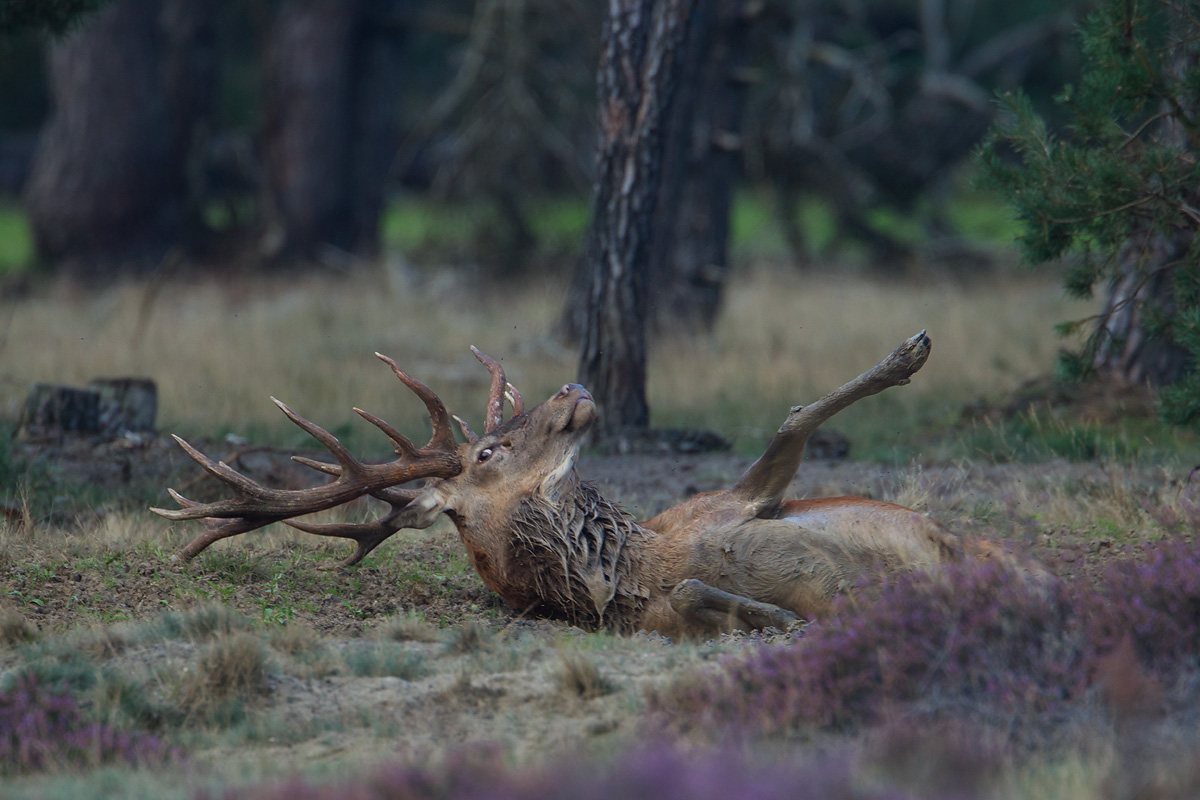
[(572, 554)]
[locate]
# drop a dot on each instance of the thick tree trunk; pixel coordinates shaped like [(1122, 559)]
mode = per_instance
[(330, 128), (108, 188), (703, 159), (1128, 350), (306, 126), (378, 86), (641, 47)]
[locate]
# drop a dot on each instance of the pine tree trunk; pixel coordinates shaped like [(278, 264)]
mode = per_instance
[(690, 252), (108, 187), (1128, 351), (641, 47)]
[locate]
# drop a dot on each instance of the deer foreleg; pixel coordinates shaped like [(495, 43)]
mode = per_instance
[(705, 606)]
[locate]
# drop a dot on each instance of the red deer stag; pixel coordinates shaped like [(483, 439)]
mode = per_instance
[(549, 543)]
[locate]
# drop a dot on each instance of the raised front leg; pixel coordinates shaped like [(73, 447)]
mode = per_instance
[(708, 608), (764, 483)]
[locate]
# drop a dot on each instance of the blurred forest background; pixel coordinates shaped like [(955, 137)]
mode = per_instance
[(285, 132), (176, 137)]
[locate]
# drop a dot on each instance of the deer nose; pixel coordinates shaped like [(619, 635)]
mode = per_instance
[(568, 388)]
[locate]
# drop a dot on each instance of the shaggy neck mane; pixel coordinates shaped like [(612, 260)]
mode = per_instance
[(582, 551)]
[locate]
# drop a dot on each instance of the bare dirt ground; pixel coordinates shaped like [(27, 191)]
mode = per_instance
[(479, 671)]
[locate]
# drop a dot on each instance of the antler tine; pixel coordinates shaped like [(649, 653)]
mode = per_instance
[(319, 466), (514, 397), (467, 433), (404, 445), (494, 412), (331, 442), (367, 535), (439, 417)]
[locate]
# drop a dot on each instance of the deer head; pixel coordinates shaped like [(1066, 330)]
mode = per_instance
[(529, 457), (477, 482)]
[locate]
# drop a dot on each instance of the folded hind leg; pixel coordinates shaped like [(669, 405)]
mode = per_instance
[(704, 606)]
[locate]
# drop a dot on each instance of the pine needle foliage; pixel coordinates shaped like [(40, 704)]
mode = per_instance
[(1124, 172)]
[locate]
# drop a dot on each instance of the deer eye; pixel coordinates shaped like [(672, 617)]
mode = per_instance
[(484, 455)]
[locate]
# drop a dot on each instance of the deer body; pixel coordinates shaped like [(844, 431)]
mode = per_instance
[(550, 544)]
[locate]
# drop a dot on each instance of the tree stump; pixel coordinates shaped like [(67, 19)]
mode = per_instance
[(51, 411), (127, 405), (107, 407)]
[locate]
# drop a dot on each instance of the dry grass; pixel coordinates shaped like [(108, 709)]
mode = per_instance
[(470, 637), (14, 628), (218, 349), (233, 667), (578, 675)]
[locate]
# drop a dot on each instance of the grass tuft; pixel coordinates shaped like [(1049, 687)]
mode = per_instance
[(579, 676), (203, 622), (385, 659), (14, 627), (470, 637), (228, 674), (410, 626)]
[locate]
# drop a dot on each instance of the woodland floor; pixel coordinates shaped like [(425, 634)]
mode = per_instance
[(476, 670)]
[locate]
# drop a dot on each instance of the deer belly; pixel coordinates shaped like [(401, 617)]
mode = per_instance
[(803, 560)]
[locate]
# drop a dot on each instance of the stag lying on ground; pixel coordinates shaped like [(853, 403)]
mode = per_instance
[(550, 544)]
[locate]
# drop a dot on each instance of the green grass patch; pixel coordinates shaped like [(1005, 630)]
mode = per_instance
[(16, 239), (1030, 437), (452, 230)]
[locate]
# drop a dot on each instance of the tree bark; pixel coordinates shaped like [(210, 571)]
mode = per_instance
[(1128, 350), (641, 47), (690, 254), (330, 129), (108, 188)]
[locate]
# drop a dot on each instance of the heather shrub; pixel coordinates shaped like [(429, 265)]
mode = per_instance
[(1155, 603), (657, 772), (43, 729), (976, 638)]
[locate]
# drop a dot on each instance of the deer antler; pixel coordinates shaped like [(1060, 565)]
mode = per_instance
[(500, 391), (255, 505)]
